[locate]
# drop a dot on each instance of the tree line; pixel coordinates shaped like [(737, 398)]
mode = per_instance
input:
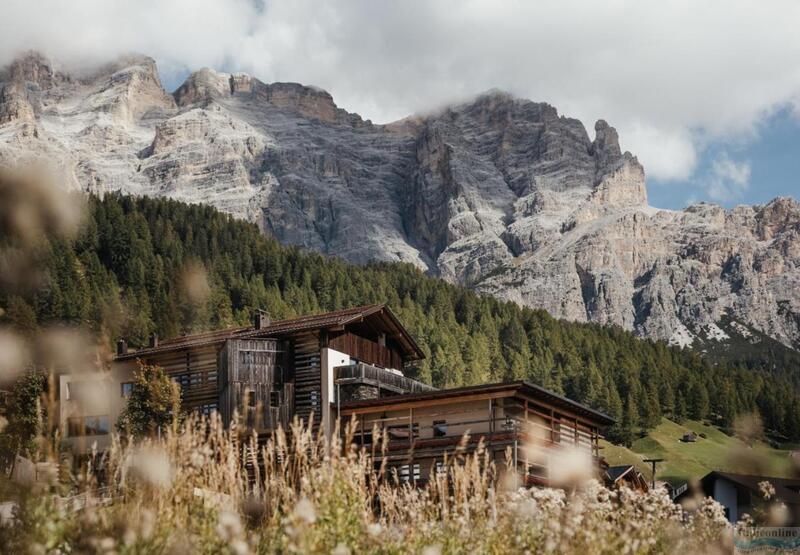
[(143, 265)]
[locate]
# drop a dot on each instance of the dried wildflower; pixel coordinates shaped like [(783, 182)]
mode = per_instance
[(239, 547), (778, 515), (766, 489), (152, 465), (304, 510), (14, 355), (229, 526), (341, 549), (194, 283), (304, 479)]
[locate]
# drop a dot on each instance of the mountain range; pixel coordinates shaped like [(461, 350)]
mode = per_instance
[(498, 193)]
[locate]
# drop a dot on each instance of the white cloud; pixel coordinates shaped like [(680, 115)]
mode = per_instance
[(669, 75), (729, 179)]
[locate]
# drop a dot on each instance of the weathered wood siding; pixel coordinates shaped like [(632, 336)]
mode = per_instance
[(366, 350), (254, 382), (423, 433), (195, 371), (307, 377)]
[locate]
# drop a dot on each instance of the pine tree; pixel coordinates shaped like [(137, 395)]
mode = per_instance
[(123, 276)]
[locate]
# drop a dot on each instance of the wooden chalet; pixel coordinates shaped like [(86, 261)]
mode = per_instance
[(346, 364), (625, 475), (272, 371), (424, 428)]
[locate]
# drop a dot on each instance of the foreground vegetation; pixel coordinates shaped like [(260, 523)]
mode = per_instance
[(140, 265), (198, 491)]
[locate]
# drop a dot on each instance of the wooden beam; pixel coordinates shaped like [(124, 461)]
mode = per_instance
[(400, 405)]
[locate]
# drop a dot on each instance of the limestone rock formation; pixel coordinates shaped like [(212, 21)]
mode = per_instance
[(499, 193)]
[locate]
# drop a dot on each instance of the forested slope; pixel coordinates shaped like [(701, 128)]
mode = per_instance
[(141, 265)]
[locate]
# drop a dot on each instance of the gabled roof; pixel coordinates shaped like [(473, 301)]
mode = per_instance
[(786, 489), (617, 472), (336, 319), (522, 387)]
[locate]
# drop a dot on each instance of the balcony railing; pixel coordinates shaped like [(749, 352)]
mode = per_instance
[(383, 379), (535, 448)]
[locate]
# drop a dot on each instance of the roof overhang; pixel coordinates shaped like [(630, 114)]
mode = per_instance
[(477, 392), (380, 314)]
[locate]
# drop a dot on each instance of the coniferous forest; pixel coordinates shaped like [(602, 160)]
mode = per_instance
[(143, 265)]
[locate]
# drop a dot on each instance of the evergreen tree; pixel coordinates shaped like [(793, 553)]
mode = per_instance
[(125, 275)]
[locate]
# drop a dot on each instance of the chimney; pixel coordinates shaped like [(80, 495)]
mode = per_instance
[(261, 320), (153, 340), (122, 347)]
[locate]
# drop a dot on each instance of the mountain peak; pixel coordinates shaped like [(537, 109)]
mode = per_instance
[(32, 67), (202, 86), (498, 192)]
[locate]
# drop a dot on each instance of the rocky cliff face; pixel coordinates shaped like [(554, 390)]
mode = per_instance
[(501, 194)]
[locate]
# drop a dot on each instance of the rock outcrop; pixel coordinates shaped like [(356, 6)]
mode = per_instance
[(501, 194)]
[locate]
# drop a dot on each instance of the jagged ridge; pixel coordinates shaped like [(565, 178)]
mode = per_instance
[(498, 193)]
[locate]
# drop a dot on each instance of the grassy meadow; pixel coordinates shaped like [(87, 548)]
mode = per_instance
[(687, 461)]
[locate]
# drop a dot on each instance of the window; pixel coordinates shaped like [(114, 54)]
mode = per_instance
[(439, 428), (408, 473), (87, 426), (190, 380), (126, 388), (275, 398), (365, 438), (208, 409), (250, 398), (402, 431)]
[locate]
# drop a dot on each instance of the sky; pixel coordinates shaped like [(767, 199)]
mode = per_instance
[(705, 93)]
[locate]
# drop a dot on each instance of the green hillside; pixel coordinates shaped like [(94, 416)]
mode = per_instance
[(684, 461), (143, 265)]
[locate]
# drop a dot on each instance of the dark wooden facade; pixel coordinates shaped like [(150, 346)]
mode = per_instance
[(272, 372), (196, 371), (366, 350), (256, 382), (307, 377), (423, 429)]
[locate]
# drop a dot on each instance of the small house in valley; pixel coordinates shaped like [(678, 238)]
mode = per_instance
[(625, 475), (743, 493)]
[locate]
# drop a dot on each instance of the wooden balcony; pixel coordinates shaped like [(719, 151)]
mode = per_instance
[(383, 380)]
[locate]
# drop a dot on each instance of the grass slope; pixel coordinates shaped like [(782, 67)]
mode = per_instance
[(685, 461)]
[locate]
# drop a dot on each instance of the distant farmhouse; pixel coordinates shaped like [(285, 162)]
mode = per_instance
[(346, 364), (741, 493)]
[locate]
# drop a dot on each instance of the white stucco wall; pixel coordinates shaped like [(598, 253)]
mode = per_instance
[(329, 359)]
